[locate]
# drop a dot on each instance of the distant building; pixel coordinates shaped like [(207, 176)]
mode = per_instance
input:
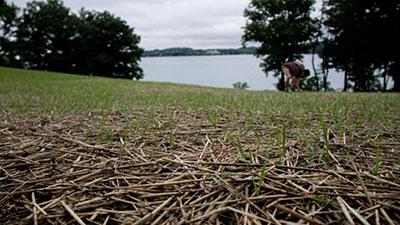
[(213, 52)]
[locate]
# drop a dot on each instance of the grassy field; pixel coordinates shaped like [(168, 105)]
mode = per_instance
[(23, 91), (252, 156)]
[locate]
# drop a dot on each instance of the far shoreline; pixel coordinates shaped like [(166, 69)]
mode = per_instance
[(186, 51), (160, 56)]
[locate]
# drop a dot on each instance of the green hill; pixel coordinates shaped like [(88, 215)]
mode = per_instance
[(47, 91)]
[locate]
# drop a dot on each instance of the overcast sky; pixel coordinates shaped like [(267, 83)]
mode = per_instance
[(175, 23)]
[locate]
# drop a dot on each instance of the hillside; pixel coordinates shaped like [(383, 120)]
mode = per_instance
[(92, 150)]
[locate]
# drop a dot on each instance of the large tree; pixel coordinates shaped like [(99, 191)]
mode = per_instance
[(46, 35), (283, 28), (8, 16), (386, 22), (51, 37), (108, 46), (363, 40)]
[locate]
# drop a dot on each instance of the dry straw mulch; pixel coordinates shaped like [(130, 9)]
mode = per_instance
[(90, 169)]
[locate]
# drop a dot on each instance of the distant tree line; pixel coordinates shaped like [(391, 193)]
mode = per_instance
[(358, 37), (196, 52), (240, 85), (48, 36)]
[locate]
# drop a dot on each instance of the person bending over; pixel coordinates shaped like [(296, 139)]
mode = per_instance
[(293, 71)]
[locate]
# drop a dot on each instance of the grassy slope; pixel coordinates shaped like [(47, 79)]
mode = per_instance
[(45, 93), (304, 114), (24, 90)]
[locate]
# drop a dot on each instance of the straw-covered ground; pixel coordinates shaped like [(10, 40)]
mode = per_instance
[(192, 155)]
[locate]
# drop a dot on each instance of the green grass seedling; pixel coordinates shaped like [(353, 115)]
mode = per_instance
[(240, 148), (258, 185), (213, 118), (325, 157), (282, 141), (89, 132), (309, 151), (378, 159)]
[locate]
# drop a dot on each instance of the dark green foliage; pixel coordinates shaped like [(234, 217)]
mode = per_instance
[(109, 46), (50, 37), (309, 84), (394, 71), (284, 29), (46, 35), (363, 38), (241, 85), (8, 16)]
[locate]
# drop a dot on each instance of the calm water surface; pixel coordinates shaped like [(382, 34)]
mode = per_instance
[(218, 71)]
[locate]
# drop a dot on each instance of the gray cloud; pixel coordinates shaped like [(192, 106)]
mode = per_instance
[(171, 23)]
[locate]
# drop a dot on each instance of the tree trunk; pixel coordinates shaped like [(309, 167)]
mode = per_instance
[(396, 86), (325, 73), (325, 77), (384, 75), (345, 80), (315, 70), (395, 73)]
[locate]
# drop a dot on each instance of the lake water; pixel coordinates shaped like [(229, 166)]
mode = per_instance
[(219, 71)]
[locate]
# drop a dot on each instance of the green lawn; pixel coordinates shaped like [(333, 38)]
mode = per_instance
[(55, 94), (46, 92)]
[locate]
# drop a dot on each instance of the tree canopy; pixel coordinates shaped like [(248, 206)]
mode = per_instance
[(362, 38), (50, 37), (109, 46), (45, 36), (8, 15)]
